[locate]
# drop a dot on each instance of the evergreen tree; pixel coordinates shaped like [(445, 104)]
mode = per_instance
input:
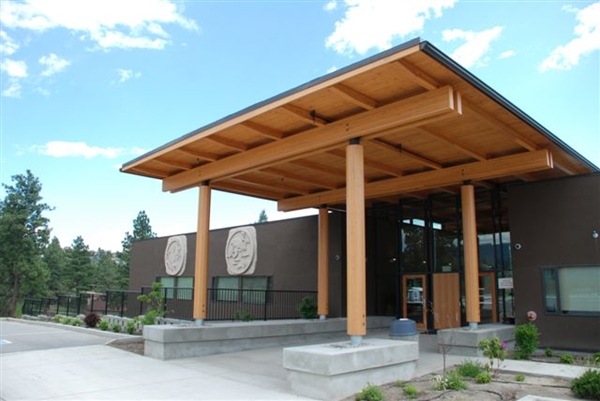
[(262, 217), (141, 230), (55, 260), (24, 233), (106, 271), (78, 272)]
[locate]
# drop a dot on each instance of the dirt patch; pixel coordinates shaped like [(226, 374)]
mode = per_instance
[(136, 347), (503, 387)]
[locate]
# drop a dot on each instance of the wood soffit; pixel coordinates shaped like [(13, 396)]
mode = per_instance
[(423, 123)]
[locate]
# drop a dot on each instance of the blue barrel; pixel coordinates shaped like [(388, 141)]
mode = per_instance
[(403, 328)]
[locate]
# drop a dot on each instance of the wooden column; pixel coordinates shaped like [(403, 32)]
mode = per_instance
[(201, 268), (323, 264), (469, 222), (355, 242)]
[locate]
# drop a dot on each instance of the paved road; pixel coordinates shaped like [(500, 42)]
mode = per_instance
[(17, 337)]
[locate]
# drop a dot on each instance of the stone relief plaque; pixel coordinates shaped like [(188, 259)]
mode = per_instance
[(176, 255), (240, 251)]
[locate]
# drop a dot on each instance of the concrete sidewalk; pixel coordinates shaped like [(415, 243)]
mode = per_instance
[(104, 372)]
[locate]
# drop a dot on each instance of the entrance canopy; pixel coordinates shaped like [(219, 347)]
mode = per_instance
[(426, 124)]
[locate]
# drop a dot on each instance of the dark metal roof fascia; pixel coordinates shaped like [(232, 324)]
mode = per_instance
[(316, 81), (442, 58)]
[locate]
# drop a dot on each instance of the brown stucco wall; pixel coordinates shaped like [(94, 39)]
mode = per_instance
[(553, 222), (287, 251)]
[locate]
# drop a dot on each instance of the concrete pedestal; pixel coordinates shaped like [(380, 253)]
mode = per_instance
[(337, 370), (463, 341)]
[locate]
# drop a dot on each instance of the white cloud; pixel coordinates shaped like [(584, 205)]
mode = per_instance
[(330, 6), (332, 69), (13, 90), (371, 24), (476, 45), (137, 151), (15, 69), (76, 149), (53, 64), (107, 23), (7, 45), (125, 75), (507, 54), (587, 40)]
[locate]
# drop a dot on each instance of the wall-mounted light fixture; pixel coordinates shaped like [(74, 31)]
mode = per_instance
[(595, 234)]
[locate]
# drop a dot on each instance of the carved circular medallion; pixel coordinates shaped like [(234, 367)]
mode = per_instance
[(175, 255), (240, 251)]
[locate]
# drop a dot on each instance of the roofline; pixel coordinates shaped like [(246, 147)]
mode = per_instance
[(307, 85), (442, 58)]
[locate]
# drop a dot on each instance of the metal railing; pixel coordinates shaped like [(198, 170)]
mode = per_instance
[(223, 304)]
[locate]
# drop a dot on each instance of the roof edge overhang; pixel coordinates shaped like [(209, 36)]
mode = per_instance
[(439, 56)]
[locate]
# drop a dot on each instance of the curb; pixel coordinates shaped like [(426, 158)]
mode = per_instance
[(86, 330)]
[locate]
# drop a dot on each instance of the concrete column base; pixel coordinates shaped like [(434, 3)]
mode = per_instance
[(337, 370), (465, 341)]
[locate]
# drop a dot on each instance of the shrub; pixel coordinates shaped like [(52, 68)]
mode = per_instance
[(596, 358), (92, 319), (470, 368), (154, 301), (410, 391), (526, 340), (483, 377), (130, 327), (116, 327), (103, 325), (243, 315), (57, 318), (520, 378), (307, 308), (452, 380), (495, 351), (587, 385), (75, 322), (399, 383), (548, 352), (568, 359), (370, 393)]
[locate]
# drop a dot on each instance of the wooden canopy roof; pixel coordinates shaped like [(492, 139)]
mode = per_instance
[(426, 124)]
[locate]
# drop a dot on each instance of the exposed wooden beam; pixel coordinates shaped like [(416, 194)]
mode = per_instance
[(416, 75), (483, 170), (448, 142), (148, 171), (414, 110), (355, 97), (263, 130), (316, 181), (385, 168), (408, 154), (175, 163), (211, 157), (242, 189), (321, 168), (228, 143), (305, 115), (501, 127), (285, 189)]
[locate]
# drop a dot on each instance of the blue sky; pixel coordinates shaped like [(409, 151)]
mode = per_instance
[(88, 85)]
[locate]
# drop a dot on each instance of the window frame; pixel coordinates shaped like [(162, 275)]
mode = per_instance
[(555, 273)]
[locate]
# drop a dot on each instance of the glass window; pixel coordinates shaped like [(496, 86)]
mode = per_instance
[(185, 288), (168, 284), (572, 290), (254, 289), (227, 288)]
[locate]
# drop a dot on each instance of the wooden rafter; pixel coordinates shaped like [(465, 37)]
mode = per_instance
[(228, 143), (316, 181), (419, 109), (448, 142), (280, 187), (408, 154), (483, 170), (247, 190), (320, 168), (305, 115), (174, 163), (263, 130), (355, 97), (416, 75), (385, 168), (211, 157)]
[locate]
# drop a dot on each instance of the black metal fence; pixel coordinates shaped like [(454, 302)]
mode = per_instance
[(223, 304)]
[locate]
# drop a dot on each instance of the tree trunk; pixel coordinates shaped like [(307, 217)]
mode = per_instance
[(12, 306)]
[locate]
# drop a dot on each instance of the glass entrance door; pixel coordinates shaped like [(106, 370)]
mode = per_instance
[(415, 298), (487, 297)]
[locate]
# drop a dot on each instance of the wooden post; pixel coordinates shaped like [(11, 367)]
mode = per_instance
[(201, 268), (469, 221), (323, 266), (355, 242)]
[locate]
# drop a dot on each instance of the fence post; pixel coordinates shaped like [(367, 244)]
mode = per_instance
[(106, 303), (78, 304), (266, 292), (92, 303), (122, 302), (141, 303)]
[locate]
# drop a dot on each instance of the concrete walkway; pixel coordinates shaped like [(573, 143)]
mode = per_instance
[(103, 372)]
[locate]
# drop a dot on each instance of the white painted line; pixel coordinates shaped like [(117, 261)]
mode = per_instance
[(2, 342)]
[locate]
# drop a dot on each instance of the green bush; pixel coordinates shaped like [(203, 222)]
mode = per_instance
[(75, 322), (568, 359), (243, 316), (307, 308), (520, 378), (155, 304), (103, 325), (548, 352), (130, 327), (587, 386), (526, 340), (495, 351), (410, 391), (116, 327), (370, 393), (470, 368), (483, 377), (596, 358), (452, 380)]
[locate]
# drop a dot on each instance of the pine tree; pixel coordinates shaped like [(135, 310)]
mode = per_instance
[(141, 230)]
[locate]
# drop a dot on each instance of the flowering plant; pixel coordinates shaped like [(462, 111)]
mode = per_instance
[(495, 351)]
